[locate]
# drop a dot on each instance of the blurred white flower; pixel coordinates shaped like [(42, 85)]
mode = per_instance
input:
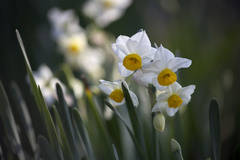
[(77, 86), (133, 52), (105, 11), (161, 72), (174, 97), (115, 93), (79, 55), (47, 82), (72, 46), (63, 22), (91, 62)]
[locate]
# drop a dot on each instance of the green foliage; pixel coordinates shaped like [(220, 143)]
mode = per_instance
[(215, 129)]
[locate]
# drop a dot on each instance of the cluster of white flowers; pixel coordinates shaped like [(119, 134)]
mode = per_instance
[(72, 41), (149, 65)]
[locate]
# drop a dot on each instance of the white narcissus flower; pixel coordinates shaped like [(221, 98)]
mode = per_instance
[(115, 93), (63, 22), (72, 46), (133, 52), (161, 72), (174, 97), (105, 11), (47, 82)]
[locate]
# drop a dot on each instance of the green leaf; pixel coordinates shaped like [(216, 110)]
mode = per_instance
[(33, 84), (52, 133), (115, 152), (46, 149), (100, 125), (176, 149), (64, 145), (9, 123), (25, 118), (134, 118), (63, 110), (138, 147), (82, 130), (215, 129)]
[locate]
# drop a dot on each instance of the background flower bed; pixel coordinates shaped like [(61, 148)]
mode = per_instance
[(206, 32)]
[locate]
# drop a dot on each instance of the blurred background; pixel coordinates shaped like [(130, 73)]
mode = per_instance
[(206, 31)]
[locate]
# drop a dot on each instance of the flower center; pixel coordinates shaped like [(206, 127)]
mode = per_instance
[(174, 101), (73, 48), (166, 77), (132, 62), (117, 95), (107, 3)]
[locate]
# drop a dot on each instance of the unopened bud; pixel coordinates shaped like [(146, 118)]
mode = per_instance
[(159, 122), (176, 149)]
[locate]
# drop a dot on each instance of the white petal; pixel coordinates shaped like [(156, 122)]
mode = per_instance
[(123, 71), (143, 50), (176, 63), (187, 90), (171, 111), (163, 97), (122, 40), (44, 72), (159, 107), (123, 49), (142, 38), (147, 57), (155, 67), (148, 77), (118, 104), (132, 46), (106, 88), (134, 98), (164, 55), (118, 52), (157, 85), (174, 88)]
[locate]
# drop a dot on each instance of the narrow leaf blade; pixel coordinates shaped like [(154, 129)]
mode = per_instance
[(46, 149), (215, 128), (65, 145)]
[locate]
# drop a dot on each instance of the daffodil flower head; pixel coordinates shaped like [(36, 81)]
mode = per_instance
[(161, 72), (133, 52), (115, 93), (173, 98)]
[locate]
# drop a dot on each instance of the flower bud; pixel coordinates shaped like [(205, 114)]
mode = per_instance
[(159, 122)]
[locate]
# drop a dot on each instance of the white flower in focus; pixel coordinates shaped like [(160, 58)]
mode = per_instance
[(161, 72), (105, 11), (63, 22), (174, 97), (115, 93), (47, 82), (133, 52)]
